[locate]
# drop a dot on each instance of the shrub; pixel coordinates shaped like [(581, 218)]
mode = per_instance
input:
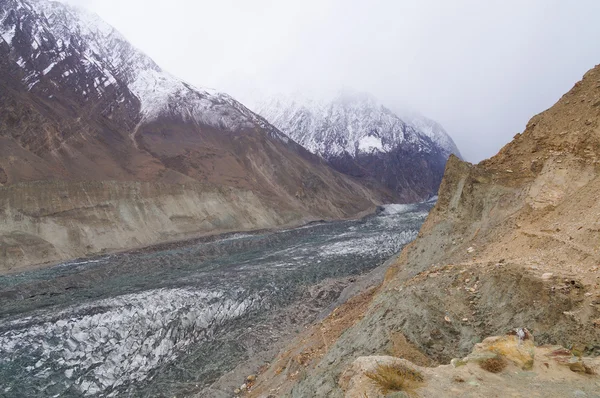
[(494, 365), (395, 377)]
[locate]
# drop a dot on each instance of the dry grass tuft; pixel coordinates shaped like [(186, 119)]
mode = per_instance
[(494, 365), (395, 377)]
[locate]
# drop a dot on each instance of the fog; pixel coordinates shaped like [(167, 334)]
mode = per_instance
[(480, 68)]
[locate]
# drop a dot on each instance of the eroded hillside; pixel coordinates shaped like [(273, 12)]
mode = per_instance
[(513, 242)]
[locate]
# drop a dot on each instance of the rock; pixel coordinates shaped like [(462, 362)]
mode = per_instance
[(470, 249), (574, 360), (511, 347), (447, 319), (457, 362), (480, 356), (244, 387), (251, 378), (237, 391), (577, 366), (547, 276)]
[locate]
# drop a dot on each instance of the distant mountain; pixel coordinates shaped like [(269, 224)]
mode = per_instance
[(359, 136), (431, 129), (79, 103)]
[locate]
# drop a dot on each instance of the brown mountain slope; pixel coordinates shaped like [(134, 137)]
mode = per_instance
[(512, 242), (94, 134), (41, 141)]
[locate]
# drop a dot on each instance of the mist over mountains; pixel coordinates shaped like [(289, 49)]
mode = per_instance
[(359, 136)]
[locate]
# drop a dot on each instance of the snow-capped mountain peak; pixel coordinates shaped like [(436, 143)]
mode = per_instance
[(62, 31), (360, 136), (350, 123), (431, 129)]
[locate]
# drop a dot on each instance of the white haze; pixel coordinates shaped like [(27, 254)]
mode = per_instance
[(480, 68)]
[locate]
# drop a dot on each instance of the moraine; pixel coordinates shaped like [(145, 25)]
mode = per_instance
[(170, 320)]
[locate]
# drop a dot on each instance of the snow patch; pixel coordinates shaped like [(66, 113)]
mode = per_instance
[(370, 144), (162, 94), (49, 68), (398, 209), (8, 35), (431, 129)]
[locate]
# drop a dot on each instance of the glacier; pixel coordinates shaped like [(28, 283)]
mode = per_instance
[(157, 321)]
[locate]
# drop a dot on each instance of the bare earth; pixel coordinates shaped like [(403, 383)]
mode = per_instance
[(513, 242)]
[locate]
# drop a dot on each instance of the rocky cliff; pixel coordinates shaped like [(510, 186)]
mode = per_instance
[(512, 242)]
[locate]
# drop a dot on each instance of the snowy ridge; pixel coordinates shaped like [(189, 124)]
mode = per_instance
[(351, 123), (59, 30), (431, 129)]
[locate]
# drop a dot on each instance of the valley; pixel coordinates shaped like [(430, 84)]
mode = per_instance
[(172, 319), (159, 238)]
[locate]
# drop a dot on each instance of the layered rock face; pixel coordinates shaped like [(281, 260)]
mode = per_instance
[(360, 137), (512, 242), (52, 221), (79, 104)]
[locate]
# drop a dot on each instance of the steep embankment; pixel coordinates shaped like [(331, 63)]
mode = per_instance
[(512, 242)]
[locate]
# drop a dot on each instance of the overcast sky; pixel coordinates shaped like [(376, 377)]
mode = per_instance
[(480, 68)]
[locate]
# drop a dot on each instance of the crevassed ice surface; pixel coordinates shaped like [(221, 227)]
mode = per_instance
[(169, 321)]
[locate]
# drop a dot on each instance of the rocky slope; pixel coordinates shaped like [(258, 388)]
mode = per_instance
[(57, 220), (79, 104), (512, 242), (360, 137), (500, 366)]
